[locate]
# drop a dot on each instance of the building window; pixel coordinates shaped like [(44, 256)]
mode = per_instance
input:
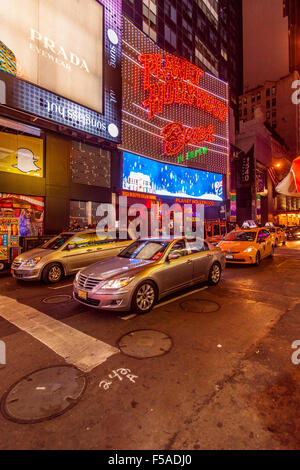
[(268, 103), (170, 11), (188, 8), (201, 23), (204, 57), (274, 124), (224, 54), (245, 99), (268, 114), (258, 97), (274, 102), (187, 52), (274, 113), (187, 30), (253, 98), (268, 92), (170, 36), (149, 18), (274, 90)]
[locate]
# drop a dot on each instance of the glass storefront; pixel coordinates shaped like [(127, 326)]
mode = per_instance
[(83, 214), (28, 210)]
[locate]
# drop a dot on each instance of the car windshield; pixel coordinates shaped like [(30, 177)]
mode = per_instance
[(271, 230), (56, 242), (240, 237), (147, 250)]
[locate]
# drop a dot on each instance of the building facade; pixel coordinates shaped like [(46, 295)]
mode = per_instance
[(208, 33), (273, 100), (60, 114), (261, 161), (175, 129)]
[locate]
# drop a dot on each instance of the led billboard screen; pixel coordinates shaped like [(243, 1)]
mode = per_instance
[(62, 61), (149, 176), (172, 109)]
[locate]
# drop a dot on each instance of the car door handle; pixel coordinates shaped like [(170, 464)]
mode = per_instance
[(189, 261), (89, 251)]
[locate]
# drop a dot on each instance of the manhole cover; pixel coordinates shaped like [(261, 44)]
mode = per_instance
[(43, 395), (144, 344), (57, 299), (199, 306)]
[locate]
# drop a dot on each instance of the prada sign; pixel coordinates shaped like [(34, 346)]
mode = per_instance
[(57, 45)]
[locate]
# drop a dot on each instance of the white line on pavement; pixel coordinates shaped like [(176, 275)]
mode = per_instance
[(128, 317), (133, 315), (180, 297), (61, 287), (75, 347)]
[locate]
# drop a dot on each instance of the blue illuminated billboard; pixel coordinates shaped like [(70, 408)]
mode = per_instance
[(150, 176)]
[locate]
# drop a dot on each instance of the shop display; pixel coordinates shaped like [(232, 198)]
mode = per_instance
[(9, 238)]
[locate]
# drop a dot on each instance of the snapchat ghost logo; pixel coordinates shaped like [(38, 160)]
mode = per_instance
[(26, 161)]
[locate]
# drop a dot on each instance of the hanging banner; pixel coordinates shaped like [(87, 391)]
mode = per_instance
[(290, 185)]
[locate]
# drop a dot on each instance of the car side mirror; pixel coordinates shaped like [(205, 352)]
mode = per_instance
[(173, 256)]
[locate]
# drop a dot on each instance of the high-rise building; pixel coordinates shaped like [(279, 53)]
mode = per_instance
[(273, 100), (291, 9), (265, 42), (206, 32)]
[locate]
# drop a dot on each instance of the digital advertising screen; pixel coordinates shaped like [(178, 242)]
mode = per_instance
[(150, 176), (56, 55), (173, 111)]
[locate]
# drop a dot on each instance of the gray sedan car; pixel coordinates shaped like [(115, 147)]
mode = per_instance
[(146, 271), (65, 254)]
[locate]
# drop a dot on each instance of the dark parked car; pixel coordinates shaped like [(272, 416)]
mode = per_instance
[(293, 233)]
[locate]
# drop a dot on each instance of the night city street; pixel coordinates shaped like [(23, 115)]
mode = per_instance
[(150, 229), (228, 381)]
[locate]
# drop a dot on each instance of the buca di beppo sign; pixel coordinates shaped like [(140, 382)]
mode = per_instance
[(170, 80)]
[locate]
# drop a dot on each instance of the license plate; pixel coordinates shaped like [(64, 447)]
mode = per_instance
[(82, 295), (229, 256)]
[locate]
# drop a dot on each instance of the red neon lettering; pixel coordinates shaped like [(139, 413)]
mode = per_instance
[(174, 89), (177, 136)]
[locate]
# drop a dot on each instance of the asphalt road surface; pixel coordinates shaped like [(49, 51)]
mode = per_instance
[(223, 379)]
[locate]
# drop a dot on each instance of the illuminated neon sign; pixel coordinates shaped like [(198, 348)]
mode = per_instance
[(194, 154), (177, 136), (177, 82)]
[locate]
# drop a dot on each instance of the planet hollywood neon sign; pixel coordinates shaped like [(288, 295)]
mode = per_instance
[(178, 81)]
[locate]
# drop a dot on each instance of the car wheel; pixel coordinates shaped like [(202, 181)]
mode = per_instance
[(258, 258), (214, 274), (144, 297), (52, 273)]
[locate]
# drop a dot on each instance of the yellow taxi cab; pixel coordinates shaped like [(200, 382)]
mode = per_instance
[(248, 246), (278, 235)]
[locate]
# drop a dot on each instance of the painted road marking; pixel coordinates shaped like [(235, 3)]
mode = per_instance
[(75, 347), (61, 287), (128, 317), (133, 315), (180, 297)]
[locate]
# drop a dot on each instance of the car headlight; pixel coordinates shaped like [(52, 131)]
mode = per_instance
[(117, 283), (77, 276), (248, 250), (31, 262)]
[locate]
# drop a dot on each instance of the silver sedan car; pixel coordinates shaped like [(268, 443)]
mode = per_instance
[(64, 255), (146, 271)]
